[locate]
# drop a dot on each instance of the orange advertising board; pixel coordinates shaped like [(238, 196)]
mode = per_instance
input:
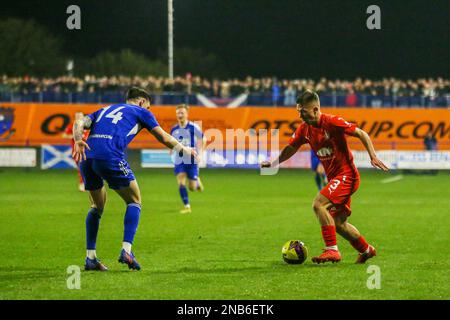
[(401, 129)]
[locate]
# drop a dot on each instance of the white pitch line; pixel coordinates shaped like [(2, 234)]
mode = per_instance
[(393, 179)]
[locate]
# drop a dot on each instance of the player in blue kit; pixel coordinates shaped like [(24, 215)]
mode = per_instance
[(317, 167), (190, 135), (102, 157)]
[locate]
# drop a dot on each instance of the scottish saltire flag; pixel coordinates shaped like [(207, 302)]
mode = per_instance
[(212, 102), (57, 157)]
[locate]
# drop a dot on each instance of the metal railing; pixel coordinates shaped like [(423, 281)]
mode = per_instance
[(253, 99)]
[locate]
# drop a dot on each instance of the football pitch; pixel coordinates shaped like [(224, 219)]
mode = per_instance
[(229, 247)]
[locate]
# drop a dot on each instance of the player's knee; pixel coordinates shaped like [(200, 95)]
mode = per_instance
[(135, 199), (320, 170), (99, 205), (97, 211), (193, 186), (339, 225), (317, 205), (136, 204)]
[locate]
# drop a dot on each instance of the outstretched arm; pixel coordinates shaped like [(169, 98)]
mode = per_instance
[(365, 139), (285, 154), (81, 123), (170, 142)]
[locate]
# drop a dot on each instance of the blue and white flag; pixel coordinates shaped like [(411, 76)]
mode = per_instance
[(57, 157)]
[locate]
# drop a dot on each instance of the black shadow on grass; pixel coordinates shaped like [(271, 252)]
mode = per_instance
[(309, 264), (210, 270), (258, 266), (115, 271), (26, 273), (267, 267)]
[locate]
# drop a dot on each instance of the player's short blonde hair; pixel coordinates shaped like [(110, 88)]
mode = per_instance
[(183, 106)]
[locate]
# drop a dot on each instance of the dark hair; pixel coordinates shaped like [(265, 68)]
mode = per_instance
[(306, 97), (135, 92)]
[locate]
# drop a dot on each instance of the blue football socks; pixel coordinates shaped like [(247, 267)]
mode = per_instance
[(92, 225), (131, 222), (184, 195)]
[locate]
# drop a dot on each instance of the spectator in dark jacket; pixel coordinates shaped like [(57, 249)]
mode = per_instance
[(430, 141)]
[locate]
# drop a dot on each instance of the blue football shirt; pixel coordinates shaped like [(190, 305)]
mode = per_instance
[(114, 127), (188, 137)]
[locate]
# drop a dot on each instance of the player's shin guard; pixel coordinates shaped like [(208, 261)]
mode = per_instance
[(360, 244), (92, 225), (131, 221), (184, 195), (329, 237)]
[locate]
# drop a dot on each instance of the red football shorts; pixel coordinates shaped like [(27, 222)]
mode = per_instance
[(339, 191)]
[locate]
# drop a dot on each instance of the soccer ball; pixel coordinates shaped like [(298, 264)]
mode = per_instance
[(294, 252)]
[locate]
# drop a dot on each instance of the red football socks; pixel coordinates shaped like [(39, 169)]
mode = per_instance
[(360, 244), (329, 235)]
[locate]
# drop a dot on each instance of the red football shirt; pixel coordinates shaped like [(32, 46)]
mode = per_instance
[(329, 142)]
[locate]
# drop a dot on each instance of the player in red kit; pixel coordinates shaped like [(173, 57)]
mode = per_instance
[(68, 134), (326, 134)]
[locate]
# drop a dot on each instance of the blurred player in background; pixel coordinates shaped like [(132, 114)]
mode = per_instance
[(102, 157), (68, 134), (326, 134), (317, 167), (187, 168)]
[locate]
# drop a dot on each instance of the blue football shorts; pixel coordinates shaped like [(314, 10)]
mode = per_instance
[(117, 173), (190, 169)]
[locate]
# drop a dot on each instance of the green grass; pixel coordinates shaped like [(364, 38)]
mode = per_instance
[(230, 246)]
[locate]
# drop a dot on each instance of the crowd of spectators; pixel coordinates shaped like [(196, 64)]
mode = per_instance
[(279, 92)]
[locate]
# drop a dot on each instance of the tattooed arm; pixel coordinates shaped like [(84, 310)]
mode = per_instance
[(81, 123)]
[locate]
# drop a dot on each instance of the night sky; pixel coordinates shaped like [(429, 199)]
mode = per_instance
[(284, 38)]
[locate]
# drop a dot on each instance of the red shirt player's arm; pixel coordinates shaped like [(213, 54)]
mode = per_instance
[(288, 151), (298, 138), (347, 127)]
